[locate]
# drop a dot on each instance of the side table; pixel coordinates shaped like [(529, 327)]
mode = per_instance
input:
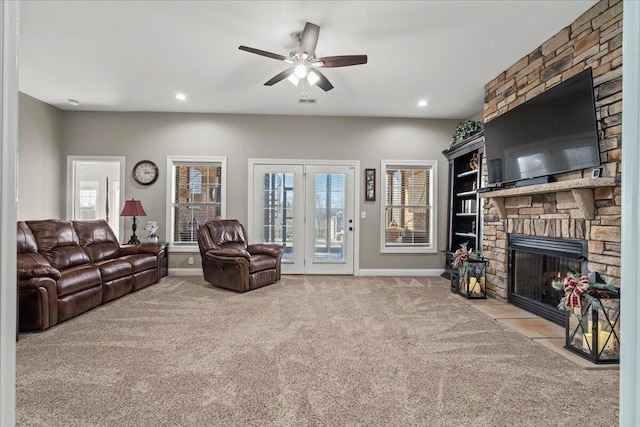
[(164, 268)]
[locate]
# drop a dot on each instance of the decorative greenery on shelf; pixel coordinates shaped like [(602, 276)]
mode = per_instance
[(579, 290), (465, 129)]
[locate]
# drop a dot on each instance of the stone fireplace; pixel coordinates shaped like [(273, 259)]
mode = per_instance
[(534, 264), (575, 207)]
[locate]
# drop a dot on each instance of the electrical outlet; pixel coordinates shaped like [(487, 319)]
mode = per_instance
[(363, 214), (190, 260)]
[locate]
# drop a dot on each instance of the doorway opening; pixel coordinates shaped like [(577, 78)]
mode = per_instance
[(93, 189)]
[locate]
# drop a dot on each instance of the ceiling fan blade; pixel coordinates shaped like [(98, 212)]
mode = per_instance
[(342, 61), (309, 39), (283, 75), (263, 53), (323, 83)]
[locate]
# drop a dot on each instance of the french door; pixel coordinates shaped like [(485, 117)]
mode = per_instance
[(309, 210)]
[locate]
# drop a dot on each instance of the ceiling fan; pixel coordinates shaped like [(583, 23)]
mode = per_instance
[(306, 64)]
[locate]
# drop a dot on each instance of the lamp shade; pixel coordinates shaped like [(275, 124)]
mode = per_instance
[(133, 208)]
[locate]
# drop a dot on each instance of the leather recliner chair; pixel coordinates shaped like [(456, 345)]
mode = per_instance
[(230, 262)]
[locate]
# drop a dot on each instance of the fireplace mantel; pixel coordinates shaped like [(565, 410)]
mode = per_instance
[(582, 190)]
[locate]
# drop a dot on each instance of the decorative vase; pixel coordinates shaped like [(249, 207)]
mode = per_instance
[(153, 239), (473, 163)]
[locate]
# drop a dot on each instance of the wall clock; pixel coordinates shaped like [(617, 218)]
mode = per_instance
[(145, 172)]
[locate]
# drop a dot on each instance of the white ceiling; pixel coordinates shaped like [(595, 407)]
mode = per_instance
[(136, 55)]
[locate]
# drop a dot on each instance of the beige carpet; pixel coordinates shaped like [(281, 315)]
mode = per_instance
[(310, 350)]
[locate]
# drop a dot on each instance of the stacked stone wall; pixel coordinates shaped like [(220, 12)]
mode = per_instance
[(594, 40)]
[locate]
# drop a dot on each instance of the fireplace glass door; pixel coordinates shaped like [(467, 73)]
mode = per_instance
[(534, 264)]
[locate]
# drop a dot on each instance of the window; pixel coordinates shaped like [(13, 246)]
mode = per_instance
[(88, 200), (198, 194), (408, 211)]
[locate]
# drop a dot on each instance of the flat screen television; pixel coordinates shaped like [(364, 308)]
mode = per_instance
[(551, 133)]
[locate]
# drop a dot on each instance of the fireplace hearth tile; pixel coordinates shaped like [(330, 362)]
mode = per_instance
[(535, 328), (557, 345), (479, 301), (504, 311)]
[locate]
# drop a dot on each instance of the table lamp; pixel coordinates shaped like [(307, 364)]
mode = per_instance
[(133, 208)]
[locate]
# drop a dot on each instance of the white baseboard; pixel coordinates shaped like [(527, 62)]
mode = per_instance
[(185, 272), (361, 272), (399, 272)]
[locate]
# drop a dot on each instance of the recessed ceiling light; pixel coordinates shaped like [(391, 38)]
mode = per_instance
[(181, 97), (423, 103), (74, 102)]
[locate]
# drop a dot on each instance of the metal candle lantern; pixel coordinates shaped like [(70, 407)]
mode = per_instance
[(595, 334), (471, 279)]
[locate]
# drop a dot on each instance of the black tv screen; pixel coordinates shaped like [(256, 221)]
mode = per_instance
[(551, 133)]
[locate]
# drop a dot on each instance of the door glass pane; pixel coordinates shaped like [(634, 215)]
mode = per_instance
[(277, 212), (329, 217)]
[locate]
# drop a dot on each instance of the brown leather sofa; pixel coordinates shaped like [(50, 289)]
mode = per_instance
[(229, 262), (66, 268)]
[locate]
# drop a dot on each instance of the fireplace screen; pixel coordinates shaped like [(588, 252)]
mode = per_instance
[(534, 263), (535, 273)]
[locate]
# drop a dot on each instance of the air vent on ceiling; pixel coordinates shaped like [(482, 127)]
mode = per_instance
[(307, 100)]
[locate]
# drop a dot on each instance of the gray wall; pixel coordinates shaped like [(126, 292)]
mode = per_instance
[(478, 117), (41, 166), (154, 136)]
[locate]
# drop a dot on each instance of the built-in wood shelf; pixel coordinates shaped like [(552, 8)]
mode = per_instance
[(467, 193), (467, 235), (468, 173), (582, 190)]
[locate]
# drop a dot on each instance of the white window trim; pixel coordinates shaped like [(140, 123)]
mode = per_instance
[(427, 249), (171, 160)]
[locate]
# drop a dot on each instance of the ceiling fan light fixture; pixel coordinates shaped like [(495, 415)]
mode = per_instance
[(293, 79), (301, 71), (312, 77)]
